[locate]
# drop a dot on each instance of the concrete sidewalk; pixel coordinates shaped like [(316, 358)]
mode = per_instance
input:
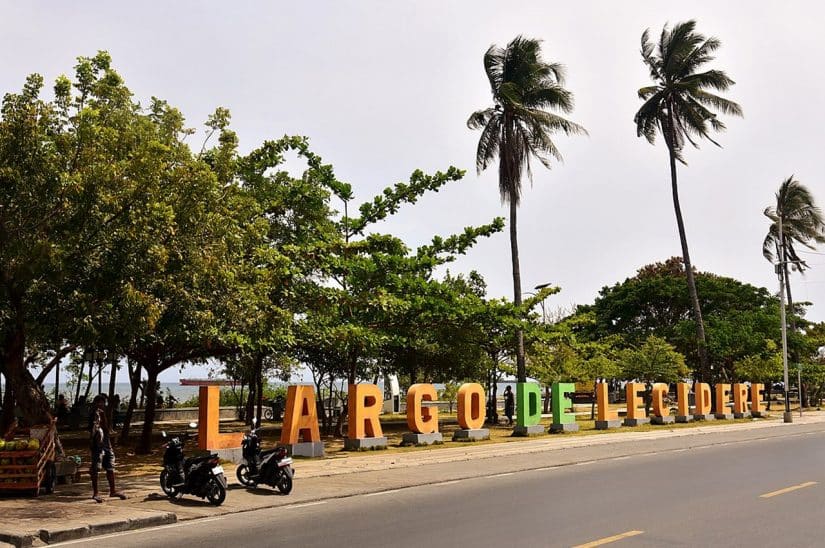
[(71, 514)]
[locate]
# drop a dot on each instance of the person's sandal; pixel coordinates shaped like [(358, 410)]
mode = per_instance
[(120, 496), (97, 498)]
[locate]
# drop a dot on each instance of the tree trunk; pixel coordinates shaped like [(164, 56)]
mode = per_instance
[(793, 353), (704, 365), (319, 404), (259, 391), (648, 397), (27, 394), (79, 379), (249, 405), (546, 399), (112, 380), (145, 445), (134, 381), (8, 408), (521, 367), (91, 380)]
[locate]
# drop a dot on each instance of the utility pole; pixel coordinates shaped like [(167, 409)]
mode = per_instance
[(787, 417)]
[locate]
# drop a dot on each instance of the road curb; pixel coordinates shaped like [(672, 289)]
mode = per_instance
[(52, 535)]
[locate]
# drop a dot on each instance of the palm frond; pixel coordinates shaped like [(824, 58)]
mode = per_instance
[(678, 105), (526, 90), (488, 143), (720, 103)]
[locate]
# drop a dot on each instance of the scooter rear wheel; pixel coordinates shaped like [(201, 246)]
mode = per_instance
[(284, 483), (242, 472), (215, 492)]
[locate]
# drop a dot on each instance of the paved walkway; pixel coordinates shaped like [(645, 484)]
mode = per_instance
[(71, 514)]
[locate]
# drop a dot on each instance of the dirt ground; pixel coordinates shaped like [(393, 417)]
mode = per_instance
[(128, 463)]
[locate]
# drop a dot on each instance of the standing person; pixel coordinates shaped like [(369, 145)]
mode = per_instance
[(101, 448), (509, 405)]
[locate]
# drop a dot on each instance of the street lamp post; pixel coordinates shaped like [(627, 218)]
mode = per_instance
[(95, 356), (787, 416), (99, 372), (543, 312)]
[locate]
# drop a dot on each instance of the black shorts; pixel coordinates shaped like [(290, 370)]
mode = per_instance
[(102, 457)]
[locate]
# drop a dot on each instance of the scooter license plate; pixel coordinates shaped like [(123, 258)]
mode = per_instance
[(217, 470), (285, 462)]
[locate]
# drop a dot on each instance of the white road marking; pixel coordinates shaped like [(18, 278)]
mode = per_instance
[(382, 493), (787, 490), (316, 503), (608, 540)]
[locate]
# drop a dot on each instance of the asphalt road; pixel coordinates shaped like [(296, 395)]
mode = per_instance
[(768, 492)]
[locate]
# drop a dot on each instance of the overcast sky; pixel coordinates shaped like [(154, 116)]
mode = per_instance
[(383, 88)]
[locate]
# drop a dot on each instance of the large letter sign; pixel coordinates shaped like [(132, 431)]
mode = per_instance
[(364, 403), (702, 411), (471, 406), (420, 419), (528, 410), (661, 412), (364, 406), (635, 415), (606, 417), (209, 436), (683, 402), (471, 414), (562, 420), (740, 400), (722, 400), (300, 416), (756, 399)]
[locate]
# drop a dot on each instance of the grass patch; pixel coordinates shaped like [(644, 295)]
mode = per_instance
[(130, 464)]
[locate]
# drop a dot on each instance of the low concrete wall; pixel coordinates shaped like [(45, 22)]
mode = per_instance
[(179, 414)]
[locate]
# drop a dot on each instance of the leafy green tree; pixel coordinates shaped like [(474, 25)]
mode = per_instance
[(655, 360), (656, 302), (75, 171), (678, 106), (450, 393), (763, 367), (526, 89), (559, 353)]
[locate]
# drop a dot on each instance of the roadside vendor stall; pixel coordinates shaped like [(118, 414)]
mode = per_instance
[(27, 460)]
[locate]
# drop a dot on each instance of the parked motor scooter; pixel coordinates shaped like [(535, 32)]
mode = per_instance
[(200, 476), (271, 467)]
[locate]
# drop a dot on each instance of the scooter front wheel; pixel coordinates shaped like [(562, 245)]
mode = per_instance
[(242, 472), (169, 490)]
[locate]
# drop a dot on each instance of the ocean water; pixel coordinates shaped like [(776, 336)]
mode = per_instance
[(124, 389)]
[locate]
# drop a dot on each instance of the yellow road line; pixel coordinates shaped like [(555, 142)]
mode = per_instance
[(608, 540), (787, 490)]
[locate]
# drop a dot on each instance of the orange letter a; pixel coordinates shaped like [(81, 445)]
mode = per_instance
[(301, 416)]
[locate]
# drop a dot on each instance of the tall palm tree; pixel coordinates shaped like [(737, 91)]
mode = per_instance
[(678, 106), (519, 126), (802, 224)]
